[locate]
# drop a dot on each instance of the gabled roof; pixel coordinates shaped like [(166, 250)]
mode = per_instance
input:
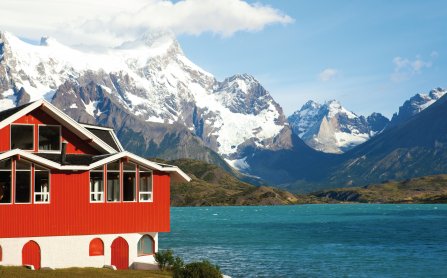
[(9, 116), (6, 113), (106, 134), (90, 162)]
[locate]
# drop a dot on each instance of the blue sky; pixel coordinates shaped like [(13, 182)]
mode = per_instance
[(370, 55), (380, 53)]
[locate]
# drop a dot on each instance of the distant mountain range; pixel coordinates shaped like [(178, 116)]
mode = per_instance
[(331, 128), (416, 147), (158, 101), (163, 105)]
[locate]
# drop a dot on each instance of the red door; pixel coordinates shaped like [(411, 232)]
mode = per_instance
[(120, 253), (31, 254)]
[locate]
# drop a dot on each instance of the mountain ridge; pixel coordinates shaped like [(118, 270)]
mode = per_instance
[(161, 104), (147, 82), (331, 128)]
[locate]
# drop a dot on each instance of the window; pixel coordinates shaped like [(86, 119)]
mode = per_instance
[(22, 137), (96, 247), (23, 182), (5, 181), (49, 138), (97, 185), (146, 246), (145, 185), (113, 182), (129, 181), (41, 185)]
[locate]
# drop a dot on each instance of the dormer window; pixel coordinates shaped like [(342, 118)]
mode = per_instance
[(49, 138), (22, 137)]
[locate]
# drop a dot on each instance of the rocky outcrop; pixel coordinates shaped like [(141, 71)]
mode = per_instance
[(331, 128), (416, 104)]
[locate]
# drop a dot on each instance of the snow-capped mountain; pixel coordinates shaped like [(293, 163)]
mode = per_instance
[(141, 84), (416, 104), (331, 128)]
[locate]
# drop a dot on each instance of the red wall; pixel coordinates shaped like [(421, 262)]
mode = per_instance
[(71, 213), (4, 139), (36, 117)]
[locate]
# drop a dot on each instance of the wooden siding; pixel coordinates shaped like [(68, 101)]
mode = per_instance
[(4, 139), (37, 117), (71, 213)]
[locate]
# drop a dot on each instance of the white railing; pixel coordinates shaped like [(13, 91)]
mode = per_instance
[(42, 197), (145, 196)]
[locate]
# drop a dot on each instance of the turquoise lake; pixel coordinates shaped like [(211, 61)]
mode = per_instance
[(314, 240)]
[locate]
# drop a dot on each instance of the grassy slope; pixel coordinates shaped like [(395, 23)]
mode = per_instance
[(21, 272), (428, 189), (212, 186)]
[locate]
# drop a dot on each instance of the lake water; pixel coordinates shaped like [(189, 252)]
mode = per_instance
[(314, 240)]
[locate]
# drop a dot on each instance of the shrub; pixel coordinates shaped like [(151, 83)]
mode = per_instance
[(203, 269), (164, 258)]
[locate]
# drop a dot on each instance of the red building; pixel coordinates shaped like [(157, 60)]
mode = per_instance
[(70, 195)]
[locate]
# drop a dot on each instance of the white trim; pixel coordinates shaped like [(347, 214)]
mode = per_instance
[(90, 186), (106, 189), (117, 141), (31, 182), (95, 126), (11, 196), (110, 130), (64, 120), (135, 184), (34, 135), (42, 193), (150, 193), (38, 139), (14, 117), (177, 173), (51, 109)]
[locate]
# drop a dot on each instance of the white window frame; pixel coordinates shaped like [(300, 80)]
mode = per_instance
[(31, 182), (42, 193), (38, 139), (11, 201), (99, 193), (106, 187), (34, 136), (147, 193), (122, 180)]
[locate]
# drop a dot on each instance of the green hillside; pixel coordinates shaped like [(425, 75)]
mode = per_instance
[(428, 189), (213, 186)]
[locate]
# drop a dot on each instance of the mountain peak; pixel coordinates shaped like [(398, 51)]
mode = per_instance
[(310, 104), (162, 41), (416, 104), (333, 128), (333, 102)]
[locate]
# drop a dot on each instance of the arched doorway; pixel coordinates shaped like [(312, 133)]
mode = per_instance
[(31, 254), (120, 253)]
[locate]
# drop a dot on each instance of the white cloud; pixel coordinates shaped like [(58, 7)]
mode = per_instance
[(111, 22), (405, 68), (328, 74)]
